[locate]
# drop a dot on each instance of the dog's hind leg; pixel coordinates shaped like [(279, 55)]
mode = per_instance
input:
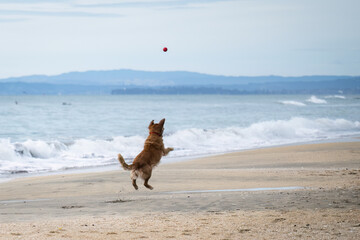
[(134, 176), (146, 175), (147, 185), (134, 184)]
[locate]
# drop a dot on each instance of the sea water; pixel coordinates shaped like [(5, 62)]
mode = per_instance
[(55, 133)]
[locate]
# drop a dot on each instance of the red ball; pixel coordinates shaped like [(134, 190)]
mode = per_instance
[(165, 49)]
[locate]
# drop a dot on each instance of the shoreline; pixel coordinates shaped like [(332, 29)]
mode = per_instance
[(115, 166), (197, 199)]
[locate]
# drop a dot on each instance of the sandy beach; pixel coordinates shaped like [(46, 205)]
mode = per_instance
[(293, 192)]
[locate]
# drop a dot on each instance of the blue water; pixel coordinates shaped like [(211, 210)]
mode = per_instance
[(52, 133)]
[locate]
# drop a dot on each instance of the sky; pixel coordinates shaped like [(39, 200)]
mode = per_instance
[(222, 37)]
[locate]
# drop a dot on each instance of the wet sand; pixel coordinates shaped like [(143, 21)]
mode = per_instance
[(185, 203)]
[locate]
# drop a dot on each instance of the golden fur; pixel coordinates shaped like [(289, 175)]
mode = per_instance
[(149, 157)]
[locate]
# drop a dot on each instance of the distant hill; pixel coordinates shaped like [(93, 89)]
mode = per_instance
[(146, 78), (175, 82)]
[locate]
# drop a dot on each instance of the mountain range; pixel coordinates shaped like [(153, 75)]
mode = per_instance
[(174, 82)]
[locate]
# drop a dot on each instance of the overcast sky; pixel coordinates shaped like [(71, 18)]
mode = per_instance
[(239, 37)]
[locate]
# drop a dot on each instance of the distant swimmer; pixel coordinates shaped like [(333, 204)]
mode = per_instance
[(16, 102)]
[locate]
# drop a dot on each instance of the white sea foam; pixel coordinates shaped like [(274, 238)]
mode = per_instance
[(295, 103), (336, 96), (39, 156), (314, 99)]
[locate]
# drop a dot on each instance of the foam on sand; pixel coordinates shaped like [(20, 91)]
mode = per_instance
[(240, 190)]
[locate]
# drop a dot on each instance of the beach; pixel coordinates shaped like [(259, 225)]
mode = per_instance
[(309, 191)]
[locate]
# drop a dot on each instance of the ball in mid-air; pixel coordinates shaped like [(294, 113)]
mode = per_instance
[(165, 49)]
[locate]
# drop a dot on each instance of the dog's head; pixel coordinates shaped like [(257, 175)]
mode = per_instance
[(157, 128)]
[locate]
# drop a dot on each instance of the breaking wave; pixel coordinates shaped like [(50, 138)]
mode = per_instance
[(336, 96), (42, 156), (314, 99), (295, 103)]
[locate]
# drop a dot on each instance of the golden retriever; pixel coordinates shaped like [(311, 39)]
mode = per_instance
[(149, 157)]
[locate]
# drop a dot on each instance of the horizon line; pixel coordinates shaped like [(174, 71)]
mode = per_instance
[(184, 71)]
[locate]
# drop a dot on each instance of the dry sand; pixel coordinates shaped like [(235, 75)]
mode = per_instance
[(105, 206)]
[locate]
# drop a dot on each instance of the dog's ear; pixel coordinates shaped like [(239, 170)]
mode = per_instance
[(162, 122), (151, 123)]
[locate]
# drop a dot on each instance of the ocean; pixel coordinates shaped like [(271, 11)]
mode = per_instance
[(47, 134)]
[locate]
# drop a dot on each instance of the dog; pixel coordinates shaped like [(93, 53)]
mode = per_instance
[(149, 157)]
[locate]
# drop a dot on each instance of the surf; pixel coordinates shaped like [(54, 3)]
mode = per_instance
[(33, 156)]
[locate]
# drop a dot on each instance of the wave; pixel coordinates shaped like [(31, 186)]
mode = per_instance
[(295, 103), (314, 99), (336, 96), (42, 156)]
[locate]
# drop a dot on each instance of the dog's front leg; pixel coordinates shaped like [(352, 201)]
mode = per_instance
[(167, 150)]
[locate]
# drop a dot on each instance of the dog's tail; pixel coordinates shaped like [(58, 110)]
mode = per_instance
[(123, 163)]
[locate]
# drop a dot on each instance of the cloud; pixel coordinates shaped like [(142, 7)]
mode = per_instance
[(28, 1), (18, 10), (56, 13), (132, 4), (35, 8)]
